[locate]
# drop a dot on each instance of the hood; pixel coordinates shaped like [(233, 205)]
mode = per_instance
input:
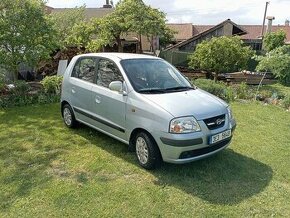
[(197, 102)]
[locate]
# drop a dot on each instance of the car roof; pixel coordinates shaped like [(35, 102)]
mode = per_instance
[(121, 56)]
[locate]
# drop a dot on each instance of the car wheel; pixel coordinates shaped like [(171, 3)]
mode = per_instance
[(147, 151), (68, 116)]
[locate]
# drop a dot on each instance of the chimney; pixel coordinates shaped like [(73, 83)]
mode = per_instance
[(107, 5), (270, 21), (287, 22)]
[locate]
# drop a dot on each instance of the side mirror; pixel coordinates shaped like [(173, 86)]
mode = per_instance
[(116, 86)]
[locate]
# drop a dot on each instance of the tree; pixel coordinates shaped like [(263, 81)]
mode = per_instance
[(85, 35), (154, 26), (221, 55), (65, 23), (74, 30), (112, 27), (274, 40), (277, 61), (144, 20), (135, 17), (26, 35), (167, 38)]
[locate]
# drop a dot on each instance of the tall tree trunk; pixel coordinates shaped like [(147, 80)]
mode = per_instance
[(119, 43), (140, 44), (150, 40), (14, 71), (215, 77)]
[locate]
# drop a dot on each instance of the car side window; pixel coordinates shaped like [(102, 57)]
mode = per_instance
[(85, 69), (108, 72)]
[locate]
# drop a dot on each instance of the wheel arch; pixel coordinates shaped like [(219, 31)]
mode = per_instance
[(63, 103), (133, 135)]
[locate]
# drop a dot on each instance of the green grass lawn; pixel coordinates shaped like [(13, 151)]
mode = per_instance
[(48, 170)]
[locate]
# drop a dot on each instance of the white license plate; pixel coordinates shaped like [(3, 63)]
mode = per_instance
[(221, 136)]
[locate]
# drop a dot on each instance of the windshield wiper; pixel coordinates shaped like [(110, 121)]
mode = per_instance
[(180, 88), (151, 90)]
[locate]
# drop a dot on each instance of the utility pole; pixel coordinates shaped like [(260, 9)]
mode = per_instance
[(265, 14)]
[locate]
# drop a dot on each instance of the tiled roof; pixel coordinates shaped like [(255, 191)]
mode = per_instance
[(254, 31), (197, 29), (89, 12), (183, 31), (209, 29)]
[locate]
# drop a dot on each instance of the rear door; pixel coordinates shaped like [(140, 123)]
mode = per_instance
[(109, 107), (82, 79)]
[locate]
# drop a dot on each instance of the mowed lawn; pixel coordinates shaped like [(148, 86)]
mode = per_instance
[(48, 170)]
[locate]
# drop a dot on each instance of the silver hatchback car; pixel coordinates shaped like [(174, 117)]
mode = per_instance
[(146, 103)]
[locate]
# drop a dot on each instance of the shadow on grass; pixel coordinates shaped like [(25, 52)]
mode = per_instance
[(25, 166), (226, 178)]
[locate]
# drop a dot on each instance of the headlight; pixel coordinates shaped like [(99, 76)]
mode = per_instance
[(184, 125), (230, 113)]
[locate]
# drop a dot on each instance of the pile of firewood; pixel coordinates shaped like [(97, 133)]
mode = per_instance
[(49, 67)]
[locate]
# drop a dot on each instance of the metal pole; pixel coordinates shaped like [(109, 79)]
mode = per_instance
[(263, 27)]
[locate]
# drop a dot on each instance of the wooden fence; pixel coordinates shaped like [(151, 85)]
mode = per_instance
[(250, 78)]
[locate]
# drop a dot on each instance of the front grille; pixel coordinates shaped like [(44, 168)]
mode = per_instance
[(215, 122), (201, 151)]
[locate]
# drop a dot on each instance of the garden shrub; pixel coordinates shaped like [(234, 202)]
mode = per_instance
[(264, 94), (286, 102), (219, 89), (242, 91), (2, 85), (28, 99), (22, 95), (2, 80), (21, 88), (52, 84)]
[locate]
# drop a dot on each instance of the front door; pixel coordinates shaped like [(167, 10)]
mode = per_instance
[(109, 106)]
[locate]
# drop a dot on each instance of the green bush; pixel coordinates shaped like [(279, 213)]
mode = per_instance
[(264, 94), (276, 61), (2, 80), (286, 102), (21, 88), (242, 91), (52, 84), (219, 89), (12, 100), (2, 85)]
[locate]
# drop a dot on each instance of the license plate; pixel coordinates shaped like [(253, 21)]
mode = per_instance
[(221, 136)]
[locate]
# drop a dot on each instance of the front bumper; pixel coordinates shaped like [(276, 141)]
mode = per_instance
[(184, 148)]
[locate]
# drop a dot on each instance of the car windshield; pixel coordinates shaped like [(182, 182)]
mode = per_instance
[(154, 76)]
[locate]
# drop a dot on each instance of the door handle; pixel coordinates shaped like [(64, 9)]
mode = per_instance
[(98, 99)]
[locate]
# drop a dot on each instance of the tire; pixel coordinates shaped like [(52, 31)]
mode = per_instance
[(147, 151), (68, 116)]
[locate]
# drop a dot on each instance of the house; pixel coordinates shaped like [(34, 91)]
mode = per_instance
[(188, 36), (183, 31), (129, 41), (251, 34), (177, 54), (89, 12), (226, 28)]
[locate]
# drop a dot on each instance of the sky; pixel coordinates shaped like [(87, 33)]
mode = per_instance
[(204, 11)]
